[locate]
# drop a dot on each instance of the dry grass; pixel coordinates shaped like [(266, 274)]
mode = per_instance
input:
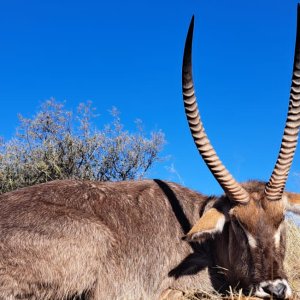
[(216, 296), (292, 261), (292, 265)]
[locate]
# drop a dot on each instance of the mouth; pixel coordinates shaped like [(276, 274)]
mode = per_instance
[(274, 289)]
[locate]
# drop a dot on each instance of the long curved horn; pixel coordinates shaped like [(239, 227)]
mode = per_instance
[(231, 188), (276, 184)]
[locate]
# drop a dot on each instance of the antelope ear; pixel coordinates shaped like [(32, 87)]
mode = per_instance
[(209, 224), (293, 202)]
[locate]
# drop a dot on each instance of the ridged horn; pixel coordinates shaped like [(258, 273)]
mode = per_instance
[(231, 188), (276, 184)]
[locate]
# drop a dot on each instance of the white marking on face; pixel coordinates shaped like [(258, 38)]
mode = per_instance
[(277, 236), (288, 292), (251, 239), (260, 292)]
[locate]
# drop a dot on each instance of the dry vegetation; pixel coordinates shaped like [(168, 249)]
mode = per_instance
[(61, 144), (292, 265), (292, 262)]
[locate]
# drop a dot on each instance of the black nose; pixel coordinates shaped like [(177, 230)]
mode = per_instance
[(277, 290)]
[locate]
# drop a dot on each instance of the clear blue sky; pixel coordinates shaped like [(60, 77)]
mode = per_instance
[(128, 54)]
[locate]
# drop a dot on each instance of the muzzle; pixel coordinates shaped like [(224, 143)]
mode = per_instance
[(278, 289)]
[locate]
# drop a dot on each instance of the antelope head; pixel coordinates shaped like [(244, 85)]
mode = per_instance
[(248, 221)]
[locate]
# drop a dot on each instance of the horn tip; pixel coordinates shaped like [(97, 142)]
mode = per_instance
[(191, 27)]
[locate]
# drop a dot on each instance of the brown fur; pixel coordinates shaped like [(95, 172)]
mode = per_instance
[(243, 265), (108, 240), (124, 241)]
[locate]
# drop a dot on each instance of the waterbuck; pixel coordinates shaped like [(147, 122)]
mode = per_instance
[(123, 240)]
